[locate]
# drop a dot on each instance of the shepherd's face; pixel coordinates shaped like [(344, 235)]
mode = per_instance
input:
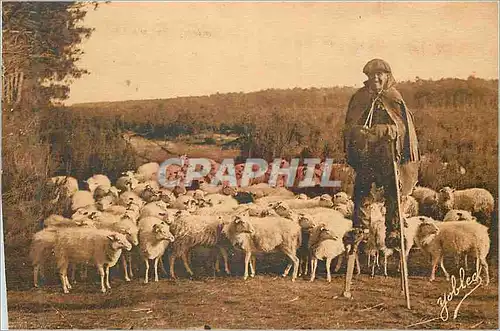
[(378, 80)]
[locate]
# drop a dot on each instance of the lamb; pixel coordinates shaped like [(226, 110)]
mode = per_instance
[(376, 239), (411, 231), (479, 202), (324, 244), (97, 180), (148, 171), (455, 238), (103, 247), (335, 222), (154, 237), (196, 230), (81, 199), (458, 215), (266, 234)]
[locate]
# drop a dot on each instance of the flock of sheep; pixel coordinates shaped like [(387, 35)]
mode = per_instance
[(106, 222)]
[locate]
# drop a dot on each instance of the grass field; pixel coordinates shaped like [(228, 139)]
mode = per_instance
[(266, 301)]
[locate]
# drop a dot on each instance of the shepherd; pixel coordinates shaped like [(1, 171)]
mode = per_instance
[(381, 146)]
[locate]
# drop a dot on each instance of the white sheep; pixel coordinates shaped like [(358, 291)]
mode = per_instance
[(126, 198), (97, 180), (81, 199), (376, 239), (324, 245), (265, 234), (478, 201), (148, 171), (129, 229), (139, 188), (196, 230), (441, 238), (59, 221), (215, 204), (184, 202), (321, 201), (154, 237), (101, 247), (459, 215)]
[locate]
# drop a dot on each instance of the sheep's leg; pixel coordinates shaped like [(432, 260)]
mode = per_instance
[(129, 262), (446, 274), (63, 270), (156, 268), (301, 265), (226, 260), (73, 272), (328, 274), (295, 261), (373, 267), (125, 268), (306, 264), (185, 260), (466, 264), (146, 262), (162, 267), (248, 255), (217, 264), (369, 260), (107, 277), (358, 265), (287, 270), (484, 264), (314, 264), (36, 268), (340, 259), (102, 274), (172, 262), (253, 270), (435, 261), (385, 265)]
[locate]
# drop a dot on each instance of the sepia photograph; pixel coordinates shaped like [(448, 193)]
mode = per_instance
[(249, 165)]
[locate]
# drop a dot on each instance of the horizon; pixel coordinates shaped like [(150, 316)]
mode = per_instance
[(265, 89), (159, 50)]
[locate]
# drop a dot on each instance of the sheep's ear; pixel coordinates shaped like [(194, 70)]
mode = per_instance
[(156, 228), (237, 220), (112, 237)]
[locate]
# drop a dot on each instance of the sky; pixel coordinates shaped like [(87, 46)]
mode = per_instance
[(156, 50)]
